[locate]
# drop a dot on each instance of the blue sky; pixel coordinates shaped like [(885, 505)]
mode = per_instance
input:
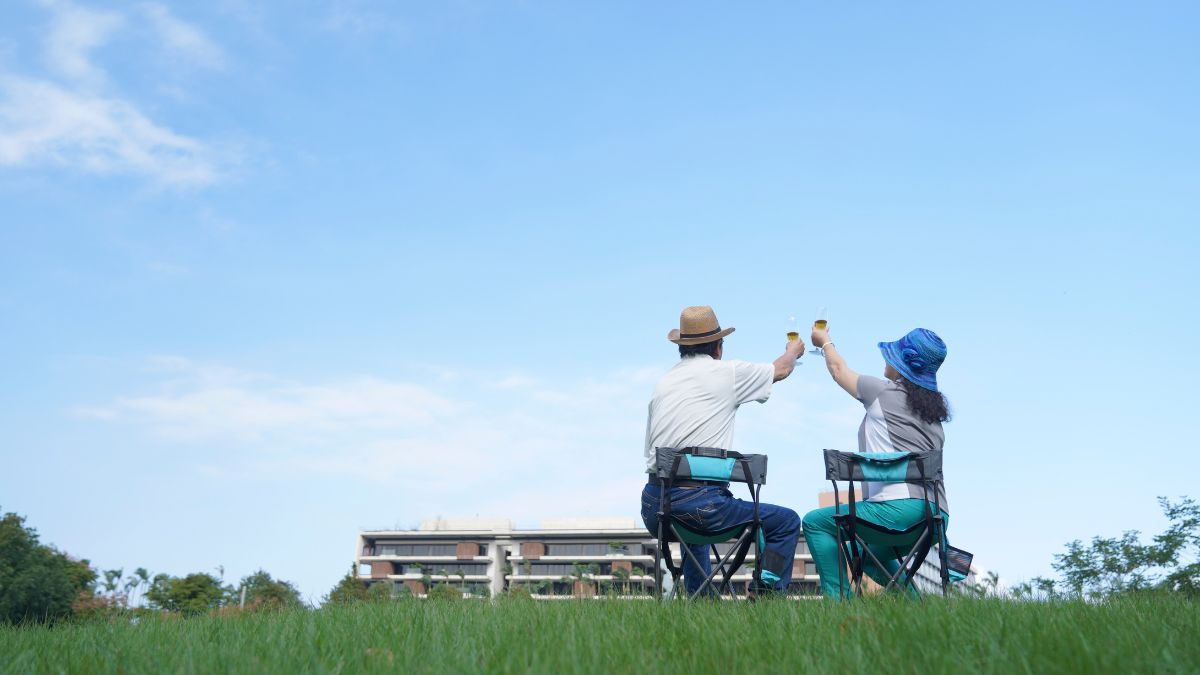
[(270, 273)]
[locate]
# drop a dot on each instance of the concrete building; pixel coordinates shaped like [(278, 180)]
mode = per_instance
[(565, 557)]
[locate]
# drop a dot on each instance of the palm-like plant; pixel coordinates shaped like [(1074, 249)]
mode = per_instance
[(112, 581)]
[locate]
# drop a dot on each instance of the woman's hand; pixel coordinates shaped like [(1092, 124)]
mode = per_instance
[(819, 337)]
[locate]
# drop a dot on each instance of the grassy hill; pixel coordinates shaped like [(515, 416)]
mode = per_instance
[(1154, 634)]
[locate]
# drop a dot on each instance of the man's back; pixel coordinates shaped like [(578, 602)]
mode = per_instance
[(695, 403)]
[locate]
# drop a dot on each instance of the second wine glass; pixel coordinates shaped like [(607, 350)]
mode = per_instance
[(821, 323)]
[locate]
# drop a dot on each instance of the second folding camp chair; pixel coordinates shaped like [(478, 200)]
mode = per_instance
[(717, 466), (910, 547)]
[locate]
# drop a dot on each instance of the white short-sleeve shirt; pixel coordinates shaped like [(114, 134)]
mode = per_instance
[(694, 404)]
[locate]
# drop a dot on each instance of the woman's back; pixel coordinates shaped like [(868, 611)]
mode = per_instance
[(891, 426)]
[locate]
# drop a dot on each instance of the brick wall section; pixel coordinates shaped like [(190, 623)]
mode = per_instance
[(626, 565), (467, 550), (380, 570), (533, 550), (417, 587)]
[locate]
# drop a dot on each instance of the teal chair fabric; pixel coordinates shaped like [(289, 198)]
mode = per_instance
[(911, 546), (719, 466)]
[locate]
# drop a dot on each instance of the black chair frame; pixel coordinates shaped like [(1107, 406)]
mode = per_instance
[(753, 473), (853, 550)]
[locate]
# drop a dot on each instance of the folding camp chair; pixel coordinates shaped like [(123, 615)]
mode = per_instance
[(719, 466), (911, 546)]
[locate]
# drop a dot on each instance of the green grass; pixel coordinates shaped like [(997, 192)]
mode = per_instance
[(1147, 634)]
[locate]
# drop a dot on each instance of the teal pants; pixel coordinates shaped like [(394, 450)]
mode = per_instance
[(820, 531)]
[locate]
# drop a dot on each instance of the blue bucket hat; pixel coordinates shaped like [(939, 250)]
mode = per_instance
[(916, 356)]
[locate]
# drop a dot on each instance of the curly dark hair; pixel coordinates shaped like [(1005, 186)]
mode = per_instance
[(930, 406)]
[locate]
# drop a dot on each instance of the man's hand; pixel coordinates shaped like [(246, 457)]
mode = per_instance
[(795, 347), (787, 362), (819, 337)]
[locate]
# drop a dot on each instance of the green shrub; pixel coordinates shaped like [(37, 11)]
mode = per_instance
[(444, 592), (517, 593)]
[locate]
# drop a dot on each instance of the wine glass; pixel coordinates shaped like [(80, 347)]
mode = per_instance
[(821, 323), (793, 330)]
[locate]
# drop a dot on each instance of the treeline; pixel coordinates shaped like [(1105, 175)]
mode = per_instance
[(40, 583), (1112, 566)]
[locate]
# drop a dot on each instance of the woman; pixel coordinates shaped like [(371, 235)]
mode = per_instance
[(905, 412)]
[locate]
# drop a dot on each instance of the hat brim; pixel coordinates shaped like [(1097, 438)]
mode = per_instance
[(673, 336), (891, 354)]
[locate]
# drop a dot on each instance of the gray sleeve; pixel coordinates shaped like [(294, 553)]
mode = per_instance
[(869, 388)]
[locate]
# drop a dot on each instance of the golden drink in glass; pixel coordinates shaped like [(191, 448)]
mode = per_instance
[(821, 323), (793, 332)]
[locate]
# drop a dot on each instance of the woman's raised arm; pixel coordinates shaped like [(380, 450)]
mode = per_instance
[(842, 374)]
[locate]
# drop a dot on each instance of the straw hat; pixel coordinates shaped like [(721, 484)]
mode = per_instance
[(697, 325)]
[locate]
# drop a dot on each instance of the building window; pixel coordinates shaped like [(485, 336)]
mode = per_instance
[(418, 549), (577, 549), (452, 569)]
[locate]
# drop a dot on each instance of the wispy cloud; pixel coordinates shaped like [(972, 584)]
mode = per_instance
[(182, 39), (502, 443), (440, 436), (42, 122), (74, 32), (204, 402), (75, 120), (359, 18)]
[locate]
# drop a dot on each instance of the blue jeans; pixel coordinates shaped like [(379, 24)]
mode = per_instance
[(713, 508)]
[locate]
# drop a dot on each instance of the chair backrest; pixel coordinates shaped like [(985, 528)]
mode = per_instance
[(713, 464), (884, 467)]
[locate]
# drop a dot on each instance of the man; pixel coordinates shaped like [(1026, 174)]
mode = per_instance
[(694, 406)]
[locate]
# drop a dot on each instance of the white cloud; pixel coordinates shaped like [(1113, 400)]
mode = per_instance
[(76, 122), (443, 437), (450, 442), (203, 403), (44, 123), (74, 32), (359, 18), (183, 39)]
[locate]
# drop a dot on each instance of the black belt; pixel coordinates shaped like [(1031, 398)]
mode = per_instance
[(655, 480)]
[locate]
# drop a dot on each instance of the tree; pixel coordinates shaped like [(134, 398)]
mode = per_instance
[(264, 592), (622, 576), (380, 591), (139, 581), (1115, 565), (37, 582), (444, 592), (193, 594), (112, 581), (348, 589)]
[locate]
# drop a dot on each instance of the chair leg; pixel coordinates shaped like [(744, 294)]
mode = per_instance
[(658, 575)]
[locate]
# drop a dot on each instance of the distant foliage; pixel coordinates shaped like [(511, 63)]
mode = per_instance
[(1118, 565), (37, 582), (193, 594), (444, 592), (380, 592), (263, 592), (515, 592), (348, 589)]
